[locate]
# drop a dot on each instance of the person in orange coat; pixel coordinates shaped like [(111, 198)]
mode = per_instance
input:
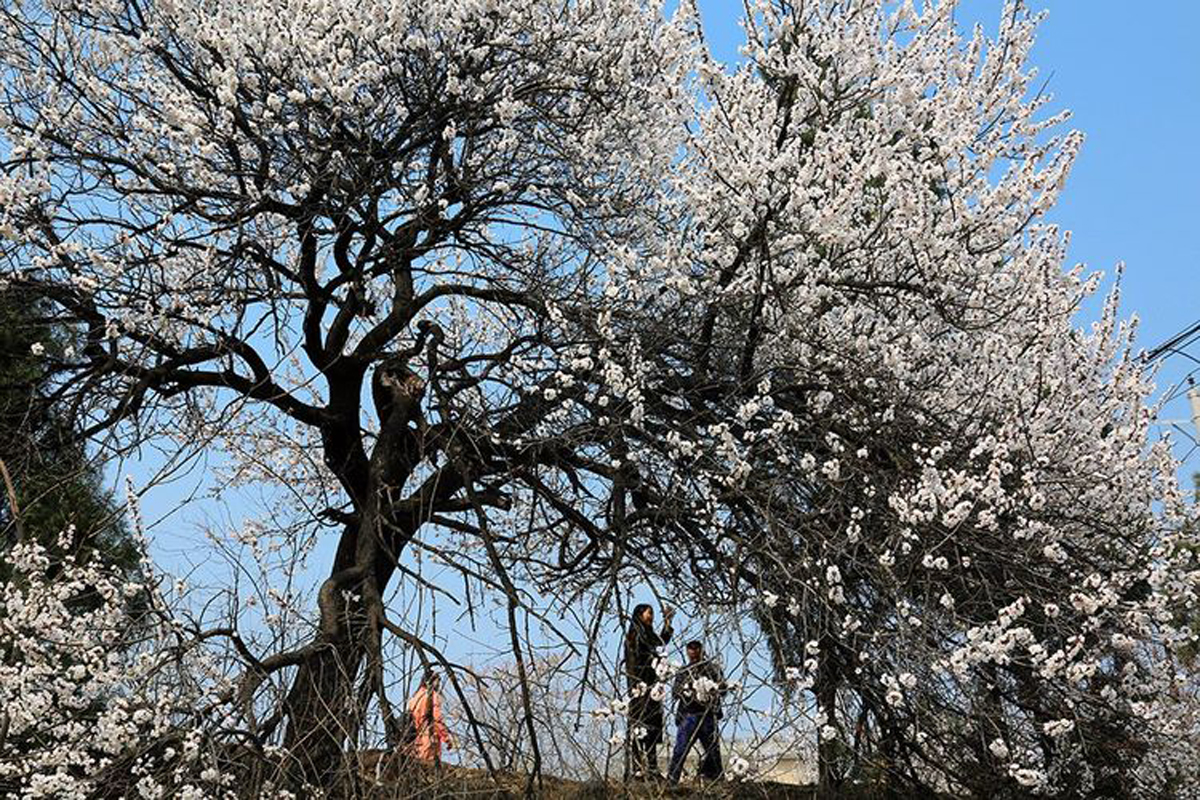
[(425, 708)]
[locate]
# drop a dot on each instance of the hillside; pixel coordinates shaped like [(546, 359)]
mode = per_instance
[(458, 782)]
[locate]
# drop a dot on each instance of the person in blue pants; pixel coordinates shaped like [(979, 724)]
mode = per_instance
[(698, 690)]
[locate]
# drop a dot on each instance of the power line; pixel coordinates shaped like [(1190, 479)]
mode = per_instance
[(1172, 343)]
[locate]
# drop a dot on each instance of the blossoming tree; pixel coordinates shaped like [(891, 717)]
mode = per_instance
[(540, 289), (868, 407), (336, 236)]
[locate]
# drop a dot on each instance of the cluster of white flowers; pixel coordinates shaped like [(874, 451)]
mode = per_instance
[(738, 769), (90, 684)]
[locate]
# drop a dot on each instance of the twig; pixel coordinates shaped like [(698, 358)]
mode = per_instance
[(12, 501)]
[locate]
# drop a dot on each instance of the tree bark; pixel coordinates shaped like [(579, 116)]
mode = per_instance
[(321, 704)]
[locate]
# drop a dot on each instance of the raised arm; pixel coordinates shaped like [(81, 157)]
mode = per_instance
[(668, 615)]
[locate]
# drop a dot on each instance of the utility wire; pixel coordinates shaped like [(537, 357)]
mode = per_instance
[(1174, 342)]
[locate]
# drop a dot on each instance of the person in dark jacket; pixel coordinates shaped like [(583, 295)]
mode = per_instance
[(698, 690), (642, 644)]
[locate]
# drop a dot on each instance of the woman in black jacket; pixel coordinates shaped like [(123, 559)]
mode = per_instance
[(645, 705)]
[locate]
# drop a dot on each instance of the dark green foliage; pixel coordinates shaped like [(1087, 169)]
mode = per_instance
[(57, 488)]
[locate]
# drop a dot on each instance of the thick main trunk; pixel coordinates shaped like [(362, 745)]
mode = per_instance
[(319, 709), (322, 707)]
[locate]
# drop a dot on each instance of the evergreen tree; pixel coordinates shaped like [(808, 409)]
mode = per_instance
[(58, 489)]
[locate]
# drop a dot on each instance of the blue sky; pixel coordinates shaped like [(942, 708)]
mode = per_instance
[(1130, 73)]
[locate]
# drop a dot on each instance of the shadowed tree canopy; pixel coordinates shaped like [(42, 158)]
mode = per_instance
[(59, 491)]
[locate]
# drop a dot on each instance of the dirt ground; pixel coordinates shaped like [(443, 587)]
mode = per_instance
[(450, 782)]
